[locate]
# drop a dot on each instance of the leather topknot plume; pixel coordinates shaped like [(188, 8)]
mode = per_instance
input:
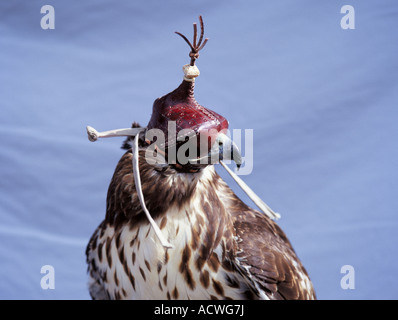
[(195, 46)]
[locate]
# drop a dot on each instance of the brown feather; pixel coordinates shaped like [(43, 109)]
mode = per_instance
[(255, 259)]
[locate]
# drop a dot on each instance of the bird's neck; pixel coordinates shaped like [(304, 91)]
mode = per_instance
[(164, 189), (196, 216)]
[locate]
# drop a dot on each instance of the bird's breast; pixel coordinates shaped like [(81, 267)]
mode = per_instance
[(134, 265)]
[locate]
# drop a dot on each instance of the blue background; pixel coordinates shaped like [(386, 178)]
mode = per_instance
[(322, 102)]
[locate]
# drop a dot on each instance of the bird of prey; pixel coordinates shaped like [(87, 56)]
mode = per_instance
[(174, 229)]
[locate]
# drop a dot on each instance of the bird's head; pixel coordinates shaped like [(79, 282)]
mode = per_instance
[(181, 132), (189, 135)]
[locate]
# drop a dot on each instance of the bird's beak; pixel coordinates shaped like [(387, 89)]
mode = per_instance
[(222, 149), (225, 149)]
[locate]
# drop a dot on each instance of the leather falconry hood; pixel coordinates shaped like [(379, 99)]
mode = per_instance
[(181, 107)]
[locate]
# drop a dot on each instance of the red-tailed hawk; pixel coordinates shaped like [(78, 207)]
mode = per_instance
[(176, 230)]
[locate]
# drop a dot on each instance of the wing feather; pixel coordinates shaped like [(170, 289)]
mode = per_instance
[(270, 258), (267, 254)]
